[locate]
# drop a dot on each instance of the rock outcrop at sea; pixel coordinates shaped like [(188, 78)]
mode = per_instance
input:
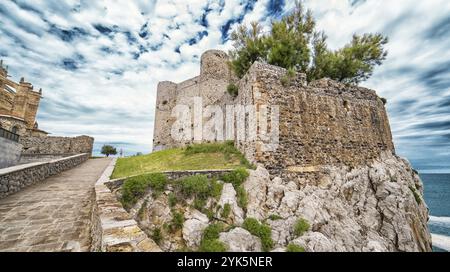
[(378, 207)]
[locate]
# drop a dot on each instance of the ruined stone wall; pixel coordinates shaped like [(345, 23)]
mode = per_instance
[(211, 85), (323, 123), (57, 145)]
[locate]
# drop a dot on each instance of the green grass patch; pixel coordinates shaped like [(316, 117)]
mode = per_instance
[(226, 211), (262, 231), (210, 239), (136, 187), (294, 248), (236, 177), (177, 221), (157, 236), (242, 198), (212, 246), (275, 217), (172, 200), (301, 226), (233, 89), (200, 187), (194, 157), (416, 195)]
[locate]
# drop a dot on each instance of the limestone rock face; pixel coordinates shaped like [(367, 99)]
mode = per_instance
[(193, 228), (228, 196), (256, 188), (240, 240), (316, 242), (375, 207)]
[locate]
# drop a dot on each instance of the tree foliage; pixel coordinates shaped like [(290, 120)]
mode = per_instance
[(294, 43), (108, 150)]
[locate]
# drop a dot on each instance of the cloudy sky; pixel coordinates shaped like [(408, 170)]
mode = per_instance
[(99, 62)]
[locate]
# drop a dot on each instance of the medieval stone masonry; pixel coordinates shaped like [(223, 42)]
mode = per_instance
[(320, 123), (333, 163)]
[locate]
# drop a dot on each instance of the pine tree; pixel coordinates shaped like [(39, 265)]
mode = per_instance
[(294, 43)]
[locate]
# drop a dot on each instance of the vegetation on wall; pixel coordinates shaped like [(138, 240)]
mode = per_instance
[(294, 248), (294, 43), (233, 90)]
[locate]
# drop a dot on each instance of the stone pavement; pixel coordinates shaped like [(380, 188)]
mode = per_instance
[(53, 215)]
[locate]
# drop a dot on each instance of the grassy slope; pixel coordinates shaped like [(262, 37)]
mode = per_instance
[(174, 159)]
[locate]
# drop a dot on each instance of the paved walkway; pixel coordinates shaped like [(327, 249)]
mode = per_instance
[(53, 215)]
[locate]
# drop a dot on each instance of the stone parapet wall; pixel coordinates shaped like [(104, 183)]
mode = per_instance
[(57, 145), (9, 152), (16, 178), (112, 228), (29, 158)]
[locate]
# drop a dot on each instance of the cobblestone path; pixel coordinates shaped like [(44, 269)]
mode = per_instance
[(53, 215)]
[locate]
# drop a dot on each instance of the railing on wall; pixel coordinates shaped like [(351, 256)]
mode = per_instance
[(9, 135)]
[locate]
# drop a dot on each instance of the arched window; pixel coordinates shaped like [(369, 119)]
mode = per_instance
[(14, 129)]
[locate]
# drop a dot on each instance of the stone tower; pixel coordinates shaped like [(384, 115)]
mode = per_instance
[(211, 85)]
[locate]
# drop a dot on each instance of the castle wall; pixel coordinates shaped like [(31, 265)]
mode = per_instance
[(323, 123), (57, 145), (211, 85)]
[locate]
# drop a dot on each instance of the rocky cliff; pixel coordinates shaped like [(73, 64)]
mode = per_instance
[(333, 182), (376, 207)]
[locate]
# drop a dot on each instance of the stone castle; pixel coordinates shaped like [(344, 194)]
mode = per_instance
[(334, 164), (320, 123)]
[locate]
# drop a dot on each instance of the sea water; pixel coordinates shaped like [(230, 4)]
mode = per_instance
[(437, 197)]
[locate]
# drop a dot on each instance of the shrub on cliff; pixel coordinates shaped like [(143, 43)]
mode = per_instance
[(210, 239), (233, 90), (300, 227), (262, 231), (294, 42), (236, 177), (200, 187), (135, 187), (294, 248), (177, 221)]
